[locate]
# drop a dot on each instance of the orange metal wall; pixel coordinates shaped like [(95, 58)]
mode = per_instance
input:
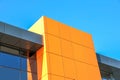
[(67, 54)]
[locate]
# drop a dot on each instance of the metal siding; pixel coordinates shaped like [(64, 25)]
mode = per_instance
[(19, 38)]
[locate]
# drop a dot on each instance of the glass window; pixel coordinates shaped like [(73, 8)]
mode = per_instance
[(23, 75), (9, 50), (14, 67), (9, 74), (9, 60), (24, 64), (107, 76)]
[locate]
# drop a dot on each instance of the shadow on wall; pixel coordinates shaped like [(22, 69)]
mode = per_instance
[(34, 65)]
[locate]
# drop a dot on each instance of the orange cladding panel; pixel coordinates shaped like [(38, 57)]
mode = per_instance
[(66, 48), (81, 71), (93, 72), (68, 53), (56, 65), (69, 68), (64, 31), (84, 54), (53, 44), (51, 26), (55, 77), (81, 38)]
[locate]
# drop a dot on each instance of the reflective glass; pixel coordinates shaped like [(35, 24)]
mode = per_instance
[(9, 60), (9, 74), (9, 50), (24, 64), (15, 67), (23, 75)]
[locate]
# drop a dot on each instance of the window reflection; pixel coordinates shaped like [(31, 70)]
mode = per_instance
[(9, 60), (23, 64), (9, 74), (9, 50), (23, 75), (107, 76), (14, 67)]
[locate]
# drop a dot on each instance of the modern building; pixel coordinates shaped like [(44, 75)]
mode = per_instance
[(50, 50)]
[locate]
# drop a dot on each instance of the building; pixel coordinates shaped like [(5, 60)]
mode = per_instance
[(50, 50)]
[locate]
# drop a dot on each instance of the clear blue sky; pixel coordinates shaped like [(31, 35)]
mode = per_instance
[(101, 18)]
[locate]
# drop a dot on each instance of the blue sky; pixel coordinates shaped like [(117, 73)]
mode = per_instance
[(101, 18)]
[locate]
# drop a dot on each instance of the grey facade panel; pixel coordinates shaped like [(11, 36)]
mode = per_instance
[(22, 34), (11, 30), (109, 68), (19, 38), (108, 61), (9, 40), (2, 27), (32, 37)]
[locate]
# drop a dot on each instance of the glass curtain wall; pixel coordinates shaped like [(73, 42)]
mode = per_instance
[(14, 67), (107, 76)]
